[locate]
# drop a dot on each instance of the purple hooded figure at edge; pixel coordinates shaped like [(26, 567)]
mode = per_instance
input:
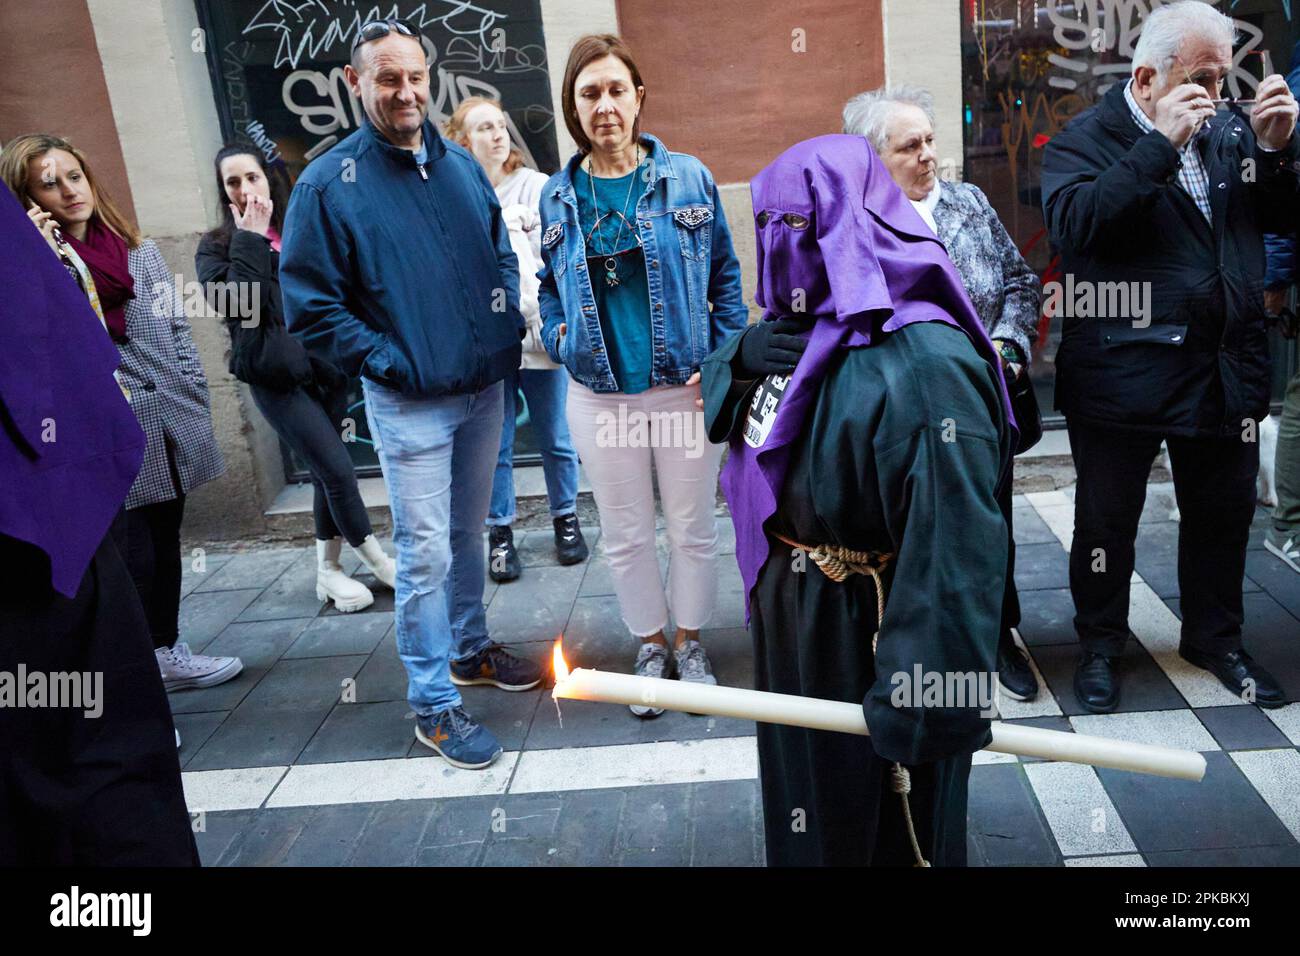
[(94, 784), (889, 440)]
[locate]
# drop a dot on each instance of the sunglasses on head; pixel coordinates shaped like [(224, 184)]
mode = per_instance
[(791, 219), (374, 29)]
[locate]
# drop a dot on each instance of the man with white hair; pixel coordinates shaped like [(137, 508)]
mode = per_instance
[(1157, 194)]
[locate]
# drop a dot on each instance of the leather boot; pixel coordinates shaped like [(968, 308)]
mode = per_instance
[(380, 564), (332, 584)]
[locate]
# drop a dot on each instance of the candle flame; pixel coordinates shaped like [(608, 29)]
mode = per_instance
[(558, 665)]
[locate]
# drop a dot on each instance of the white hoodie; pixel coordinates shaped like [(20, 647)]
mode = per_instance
[(519, 194)]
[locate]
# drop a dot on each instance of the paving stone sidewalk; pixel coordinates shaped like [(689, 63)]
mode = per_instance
[(309, 758)]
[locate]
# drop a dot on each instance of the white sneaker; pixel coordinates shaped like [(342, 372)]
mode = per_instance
[(181, 669), (178, 740), (333, 585)]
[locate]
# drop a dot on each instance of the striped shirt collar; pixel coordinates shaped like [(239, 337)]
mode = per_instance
[(1192, 175)]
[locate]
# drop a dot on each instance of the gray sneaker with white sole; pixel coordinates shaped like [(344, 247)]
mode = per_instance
[(1285, 546), (693, 664), (651, 661)]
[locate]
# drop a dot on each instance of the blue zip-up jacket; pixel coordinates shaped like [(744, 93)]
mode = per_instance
[(690, 265), (400, 272)]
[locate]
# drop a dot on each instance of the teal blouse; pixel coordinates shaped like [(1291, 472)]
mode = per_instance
[(623, 308)]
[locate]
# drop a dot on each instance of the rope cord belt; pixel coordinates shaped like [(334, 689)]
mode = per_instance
[(839, 563)]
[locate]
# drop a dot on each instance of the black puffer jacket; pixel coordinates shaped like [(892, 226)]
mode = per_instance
[(1115, 211), (261, 353)]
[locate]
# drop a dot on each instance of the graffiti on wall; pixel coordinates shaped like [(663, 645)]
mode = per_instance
[(1039, 76), (1097, 39), (278, 67)]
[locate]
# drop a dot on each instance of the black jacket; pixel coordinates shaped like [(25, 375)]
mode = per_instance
[(1116, 213), (261, 352)]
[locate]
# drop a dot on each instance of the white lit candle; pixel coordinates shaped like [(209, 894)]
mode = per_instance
[(763, 706)]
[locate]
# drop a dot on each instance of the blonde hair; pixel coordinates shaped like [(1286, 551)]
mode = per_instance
[(454, 129), (15, 162)]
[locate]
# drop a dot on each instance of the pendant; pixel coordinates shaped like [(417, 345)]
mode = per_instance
[(611, 272)]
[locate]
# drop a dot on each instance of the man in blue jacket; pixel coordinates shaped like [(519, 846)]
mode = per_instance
[(397, 267)]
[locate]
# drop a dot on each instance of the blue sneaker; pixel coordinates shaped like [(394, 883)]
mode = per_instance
[(458, 739), (496, 666)]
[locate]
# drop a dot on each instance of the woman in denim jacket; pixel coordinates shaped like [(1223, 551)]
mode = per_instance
[(635, 251)]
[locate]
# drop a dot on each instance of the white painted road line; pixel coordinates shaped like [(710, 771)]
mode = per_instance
[(637, 765), (1078, 809), (1159, 728), (214, 790), (374, 781), (1275, 774)]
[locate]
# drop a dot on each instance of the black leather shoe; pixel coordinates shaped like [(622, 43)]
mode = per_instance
[(503, 559), (1096, 683), (1014, 673), (570, 547), (1239, 672)]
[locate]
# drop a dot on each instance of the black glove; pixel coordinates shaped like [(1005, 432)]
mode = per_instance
[(772, 347), (1286, 321)]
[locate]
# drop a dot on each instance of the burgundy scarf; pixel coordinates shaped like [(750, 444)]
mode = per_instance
[(104, 253)]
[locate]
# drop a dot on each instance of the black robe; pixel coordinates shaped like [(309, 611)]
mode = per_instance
[(902, 452)]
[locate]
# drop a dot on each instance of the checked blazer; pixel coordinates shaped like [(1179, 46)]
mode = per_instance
[(169, 392)]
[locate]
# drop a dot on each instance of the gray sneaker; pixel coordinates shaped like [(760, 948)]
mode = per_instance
[(1286, 547), (693, 664), (651, 661)]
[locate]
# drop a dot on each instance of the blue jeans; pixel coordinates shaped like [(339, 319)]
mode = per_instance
[(545, 391), (436, 454)]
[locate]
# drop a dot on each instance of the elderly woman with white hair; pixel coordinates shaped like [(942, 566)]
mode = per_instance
[(899, 124)]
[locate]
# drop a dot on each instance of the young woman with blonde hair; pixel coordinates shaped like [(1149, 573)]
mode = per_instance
[(160, 371), (479, 124)]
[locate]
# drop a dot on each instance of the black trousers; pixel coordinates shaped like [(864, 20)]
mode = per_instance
[(1214, 483), (311, 430), (1010, 596), (149, 541), (75, 789)]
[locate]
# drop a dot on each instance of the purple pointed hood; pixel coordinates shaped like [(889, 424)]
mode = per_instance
[(837, 240)]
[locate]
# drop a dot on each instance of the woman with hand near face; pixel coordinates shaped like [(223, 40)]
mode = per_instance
[(639, 284), (160, 371), (304, 399), (479, 125)]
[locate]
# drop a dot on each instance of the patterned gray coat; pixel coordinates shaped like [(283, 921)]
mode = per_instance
[(169, 392), (1003, 288)]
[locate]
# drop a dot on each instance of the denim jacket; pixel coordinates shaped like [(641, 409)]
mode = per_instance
[(690, 264)]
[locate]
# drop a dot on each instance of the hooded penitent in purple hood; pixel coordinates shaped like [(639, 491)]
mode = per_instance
[(70, 445), (837, 240)]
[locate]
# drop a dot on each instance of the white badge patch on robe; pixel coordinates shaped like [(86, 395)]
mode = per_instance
[(762, 410)]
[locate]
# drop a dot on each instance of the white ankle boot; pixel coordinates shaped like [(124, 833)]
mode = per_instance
[(331, 583), (380, 564)]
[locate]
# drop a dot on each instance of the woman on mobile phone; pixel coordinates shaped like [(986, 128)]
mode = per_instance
[(160, 370)]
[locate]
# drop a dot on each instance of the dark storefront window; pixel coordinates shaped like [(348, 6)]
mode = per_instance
[(1028, 67), (277, 72)]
